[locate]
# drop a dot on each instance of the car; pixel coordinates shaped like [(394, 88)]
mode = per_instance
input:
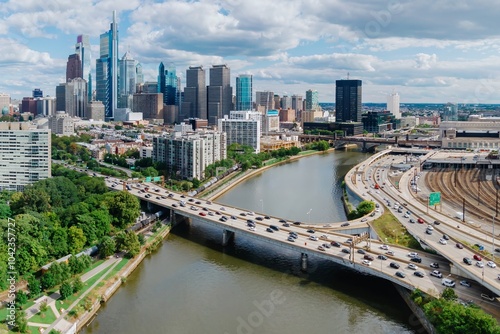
[(326, 245), (477, 257), (371, 215), (274, 227), (384, 247), (190, 200), (420, 221), (202, 213), (436, 222), (446, 237), (335, 244), (344, 224), (406, 216), (194, 208), (291, 239), (321, 248), (480, 264), (259, 218), (209, 203), (267, 217), (412, 254), (286, 225), (416, 259), (234, 217), (310, 231), (243, 214), (282, 221), (390, 253), (412, 221), (363, 220), (197, 202), (442, 241), (467, 261), (217, 213), (361, 251), (400, 274), (491, 264), (170, 195), (394, 265), (465, 283), (459, 246), (251, 228), (345, 250), (429, 232), (205, 209), (222, 208), (436, 273), (434, 265), (429, 227), (349, 240), (250, 213), (270, 230), (418, 274), (174, 205), (366, 262), (313, 238), (412, 266), (368, 257), (297, 223), (448, 282), (210, 213), (497, 250), (382, 257)]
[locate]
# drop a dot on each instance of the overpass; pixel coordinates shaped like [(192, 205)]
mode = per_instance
[(347, 254)]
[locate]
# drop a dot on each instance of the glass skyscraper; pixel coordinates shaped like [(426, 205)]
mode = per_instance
[(167, 84), (127, 80), (312, 100), (244, 92), (82, 48), (107, 70)]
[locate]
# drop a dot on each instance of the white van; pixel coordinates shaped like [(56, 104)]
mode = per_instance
[(448, 282)]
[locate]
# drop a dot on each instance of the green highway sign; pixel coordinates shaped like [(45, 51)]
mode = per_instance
[(156, 178), (148, 179), (434, 198)]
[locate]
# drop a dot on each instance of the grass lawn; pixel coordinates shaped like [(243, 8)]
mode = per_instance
[(116, 269), (3, 310), (46, 317), (68, 301), (390, 230), (307, 152)]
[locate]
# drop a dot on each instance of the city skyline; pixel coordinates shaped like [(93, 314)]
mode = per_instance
[(391, 46)]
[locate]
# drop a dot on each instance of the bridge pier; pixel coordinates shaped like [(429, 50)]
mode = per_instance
[(226, 237), (303, 262)]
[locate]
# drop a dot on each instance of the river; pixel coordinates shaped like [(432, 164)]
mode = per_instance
[(194, 285)]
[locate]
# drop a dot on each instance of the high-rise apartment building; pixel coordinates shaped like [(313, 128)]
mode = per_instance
[(348, 100), (244, 92), (190, 153), (127, 80), (220, 93), (312, 102), (25, 155), (82, 49), (286, 102), (107, 70), (393, 104), (264, 101), (167, 84), (244, 129), (73, 67), (62, 124), (194, 104)]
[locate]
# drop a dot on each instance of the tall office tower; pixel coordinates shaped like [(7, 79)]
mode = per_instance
[(195, 94), (167, 84), (127, 81), (264, 100), (393, 104), (4, 101), (286, 102), (348, 100), (82, 48), (312, 100), (37, 92), (244, 92), (26, 155), (220, 93), (138, 74), (277, 102), (107, 70), (450, 112), (71, 97), (73, 67), (45, 106)]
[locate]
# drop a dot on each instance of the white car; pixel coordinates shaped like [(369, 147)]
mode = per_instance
[(442, 241), (436, 273), (406, 216), (412, 254), (384, 247), (430, 228), (412, 266), (366, 262), (480, 264), (491, 264), (252, 228), (313, 238)]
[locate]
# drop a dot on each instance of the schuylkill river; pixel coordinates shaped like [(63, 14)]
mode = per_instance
[(194, 285)]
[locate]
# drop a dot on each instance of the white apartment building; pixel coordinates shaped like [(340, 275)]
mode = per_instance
[(190, 153), (62, 124), (241, 131), (25, 155)]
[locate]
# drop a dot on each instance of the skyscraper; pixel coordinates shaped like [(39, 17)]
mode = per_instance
[(82, 48), (37, 92), (167, 84), (219, 93), (244, 92), (265, 100), (127, 80), (195, 94), (348, 100), (312, 99), (71, 97), (393, 104), (73, 67), (107, 70)]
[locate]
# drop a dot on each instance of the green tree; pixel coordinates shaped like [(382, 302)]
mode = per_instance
[(65, 290), (449, 294), (34, 286), (107, 247), (123, 207), (131, 244), (21, 321), (365, 207), (59, 244), (21, 298), (77, 284), (47, 280), (76, 239), (142, 239)]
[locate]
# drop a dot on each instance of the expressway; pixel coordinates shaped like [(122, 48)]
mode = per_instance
[(390, 194)]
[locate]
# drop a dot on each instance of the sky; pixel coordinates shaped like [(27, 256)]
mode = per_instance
[(433, 51)]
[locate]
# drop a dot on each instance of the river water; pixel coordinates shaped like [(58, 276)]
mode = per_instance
[(194, 285)]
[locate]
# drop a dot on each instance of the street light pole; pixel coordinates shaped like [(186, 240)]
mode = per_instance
[(308, 212), (493, 241), (261, 206)]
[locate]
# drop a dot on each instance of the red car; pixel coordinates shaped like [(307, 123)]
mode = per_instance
[(477, 257), (202, 214), (460, 246), (420, 221)]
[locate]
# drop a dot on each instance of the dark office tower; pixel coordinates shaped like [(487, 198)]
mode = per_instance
[(244, 92), (195, 94), (167, 84), (73, 67), (348, 100), (220, 93), (107, 70), (37, 92)]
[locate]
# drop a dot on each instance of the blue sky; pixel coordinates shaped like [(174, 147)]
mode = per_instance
[(428, 51)]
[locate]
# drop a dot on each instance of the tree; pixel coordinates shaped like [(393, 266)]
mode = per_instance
[(449, 294), (47, 280), (123, 207), (65, 290), (131, 244), (77, 284), (21, 321), (59, 242), (76, 239), (142, 239), (34, 286), (107, 247), (21, 298), (365, 207)]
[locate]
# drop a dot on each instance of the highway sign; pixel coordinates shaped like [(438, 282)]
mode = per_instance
[(434, 198)]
